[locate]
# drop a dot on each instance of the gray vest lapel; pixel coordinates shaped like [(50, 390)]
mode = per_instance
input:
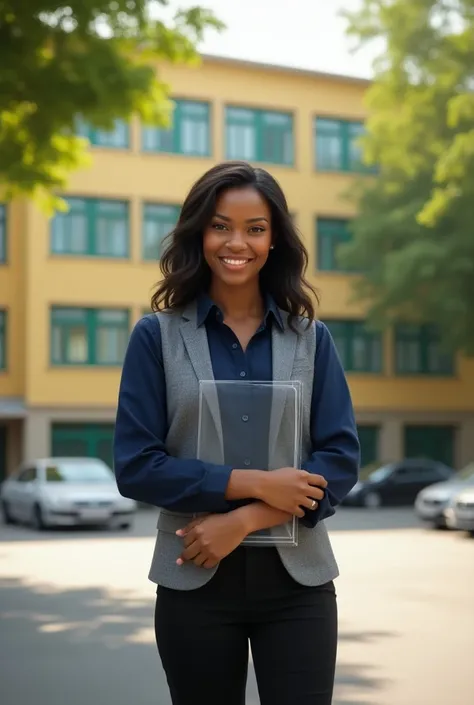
[(197, 346), (283, 354)]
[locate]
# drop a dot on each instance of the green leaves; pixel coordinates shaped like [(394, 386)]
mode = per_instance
[(96, 58), (413, 236)]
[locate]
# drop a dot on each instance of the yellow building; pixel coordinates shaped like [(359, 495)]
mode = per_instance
[(71, 288)]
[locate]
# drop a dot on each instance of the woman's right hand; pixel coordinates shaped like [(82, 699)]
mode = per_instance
[(292, 490)]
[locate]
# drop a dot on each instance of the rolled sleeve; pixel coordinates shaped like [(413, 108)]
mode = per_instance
[(144, 470), (334, 439)]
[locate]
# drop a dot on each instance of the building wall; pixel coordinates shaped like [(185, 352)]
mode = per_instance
[(34, 280)]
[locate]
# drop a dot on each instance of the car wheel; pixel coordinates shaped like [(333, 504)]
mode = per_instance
[(37, 520), (6, 516), (372, 500), (440, 525)]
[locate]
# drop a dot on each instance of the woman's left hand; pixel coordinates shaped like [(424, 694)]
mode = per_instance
[(209, 539)]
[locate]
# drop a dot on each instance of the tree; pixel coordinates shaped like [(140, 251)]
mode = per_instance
[(96, 58), (413, 237)]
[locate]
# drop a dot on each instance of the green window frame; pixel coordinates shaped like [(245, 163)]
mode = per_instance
[(259, 135), (360, 349), (189, 133), (369, 438), (3, 339), (3, 233), (433, 442), (330, 233), (418, 351), (86, 336), (90, 440), (92, 227), (116, 138), (336, 145), (159, 219)]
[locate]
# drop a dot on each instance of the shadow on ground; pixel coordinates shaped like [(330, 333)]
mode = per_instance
[(94, 646)]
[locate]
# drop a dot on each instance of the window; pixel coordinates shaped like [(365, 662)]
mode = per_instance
[(3, 233), (360, 349), (158, 221), (28, 474), (3, 340), (259, 136), (117, 138), (337, 147), (81, 336), (432, 442), (189, 133), (369, 444), (418, 351), (331, 233), (90, 440), (91, 227)]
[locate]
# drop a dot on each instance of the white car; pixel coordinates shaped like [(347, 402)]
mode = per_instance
[(431, 502), (65, 492), (459, 514)]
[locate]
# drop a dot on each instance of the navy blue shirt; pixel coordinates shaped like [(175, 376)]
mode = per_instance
[(146, 472)]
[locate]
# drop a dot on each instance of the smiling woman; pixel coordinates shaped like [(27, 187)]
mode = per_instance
[(235, 225), (233, 305)]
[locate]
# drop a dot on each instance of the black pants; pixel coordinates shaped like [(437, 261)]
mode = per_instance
[(203, 635)]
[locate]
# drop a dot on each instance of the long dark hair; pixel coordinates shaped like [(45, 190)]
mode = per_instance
[(186, 273)]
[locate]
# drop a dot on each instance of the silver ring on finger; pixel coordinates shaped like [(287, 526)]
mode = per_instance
[(313, 504)]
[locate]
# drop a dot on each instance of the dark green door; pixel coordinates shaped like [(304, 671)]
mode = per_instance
[(433, 442), (3, 453), (93, 440), (369, 444)]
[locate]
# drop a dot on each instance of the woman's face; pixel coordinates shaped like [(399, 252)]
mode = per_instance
[(237, 241)]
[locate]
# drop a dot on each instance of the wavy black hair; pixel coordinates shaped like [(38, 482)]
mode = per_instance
[(186, 273)]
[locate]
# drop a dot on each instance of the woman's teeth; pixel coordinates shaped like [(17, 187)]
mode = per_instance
[(236, 262)]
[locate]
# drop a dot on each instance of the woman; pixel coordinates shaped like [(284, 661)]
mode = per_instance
[(233, 304)]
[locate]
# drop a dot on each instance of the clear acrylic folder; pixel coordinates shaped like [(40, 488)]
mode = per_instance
[(254, 425)]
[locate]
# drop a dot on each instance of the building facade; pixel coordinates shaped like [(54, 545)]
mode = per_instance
[(71, 288)]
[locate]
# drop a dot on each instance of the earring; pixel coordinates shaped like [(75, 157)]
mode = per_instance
[(272, 247)]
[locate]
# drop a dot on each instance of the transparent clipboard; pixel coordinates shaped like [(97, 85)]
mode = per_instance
[(254, 426)]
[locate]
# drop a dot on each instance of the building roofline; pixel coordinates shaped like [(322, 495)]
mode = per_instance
[(277, 68)]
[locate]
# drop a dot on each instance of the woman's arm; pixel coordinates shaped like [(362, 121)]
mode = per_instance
[(258, 516), (143, 469), (335, 443)]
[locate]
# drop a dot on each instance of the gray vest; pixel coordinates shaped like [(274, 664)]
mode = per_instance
[(187, 360)]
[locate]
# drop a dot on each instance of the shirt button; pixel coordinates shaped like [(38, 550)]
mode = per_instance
[(245, 417), (246, 462), (234, 346), (242, 374)]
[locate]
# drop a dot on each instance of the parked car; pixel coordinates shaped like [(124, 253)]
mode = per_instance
[(397, 483), (432, 501), (65, 492), (459, 514)]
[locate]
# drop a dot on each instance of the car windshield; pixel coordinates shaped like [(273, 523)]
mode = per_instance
[(77, 471), (466, 475), (381, 473)]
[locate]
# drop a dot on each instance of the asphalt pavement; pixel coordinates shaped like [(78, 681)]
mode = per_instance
[(76, 615)]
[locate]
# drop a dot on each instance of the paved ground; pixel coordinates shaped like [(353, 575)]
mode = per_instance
[(76, 612)]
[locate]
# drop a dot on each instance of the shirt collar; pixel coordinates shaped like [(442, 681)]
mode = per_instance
[(206, 308)]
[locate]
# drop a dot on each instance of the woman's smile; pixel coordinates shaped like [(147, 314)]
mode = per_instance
[(235, 263)]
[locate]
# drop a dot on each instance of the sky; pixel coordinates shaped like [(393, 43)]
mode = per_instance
[(308, 34)]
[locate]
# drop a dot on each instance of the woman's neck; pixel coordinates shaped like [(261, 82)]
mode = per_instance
[(238, 303)]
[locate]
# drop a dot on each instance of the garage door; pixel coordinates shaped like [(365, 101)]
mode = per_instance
[(369, 444), (434, 442), (86, 440)]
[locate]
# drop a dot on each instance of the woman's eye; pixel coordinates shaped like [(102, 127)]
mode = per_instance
[(218, 226), (257, 229)]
